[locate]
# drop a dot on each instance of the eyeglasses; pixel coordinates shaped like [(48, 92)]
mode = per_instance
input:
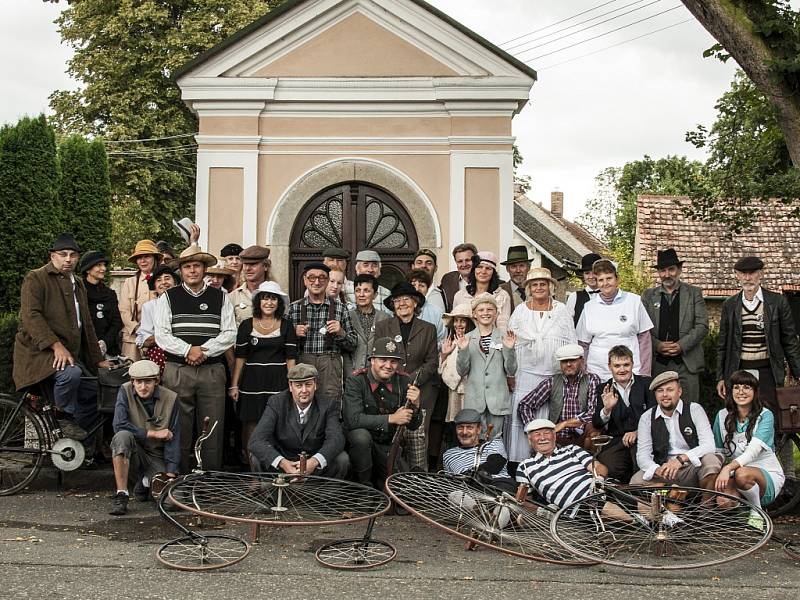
[(317, 277)]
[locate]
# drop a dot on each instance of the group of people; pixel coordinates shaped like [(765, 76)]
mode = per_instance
[(334, 374)]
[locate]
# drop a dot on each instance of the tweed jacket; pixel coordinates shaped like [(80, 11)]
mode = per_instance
[(358, 358), (487, 386), (279, 433), (516, 300), (782, 343), (47, 315), (450, 286), (693, 325)]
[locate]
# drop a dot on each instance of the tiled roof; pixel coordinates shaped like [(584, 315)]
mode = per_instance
[(544, 236), (588, 240), (710, 250)]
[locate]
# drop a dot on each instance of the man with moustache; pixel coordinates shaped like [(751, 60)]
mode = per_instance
[(517, 264)]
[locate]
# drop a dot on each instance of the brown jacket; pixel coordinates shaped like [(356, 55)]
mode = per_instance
[(131, 300), (47, 315)]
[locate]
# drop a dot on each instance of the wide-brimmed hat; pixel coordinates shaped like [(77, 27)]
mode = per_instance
[(516, 254), (403, 288), (194, 254), (65, 241), (462, 310), (386, 347), (184, 227), (158, 272), (538, 273), (145, 248), (587, 260), (90, 259), (667, 258), (220, 270), (274, 288)]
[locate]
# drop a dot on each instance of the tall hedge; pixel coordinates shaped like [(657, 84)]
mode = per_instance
[(28, 202), (85, 192)]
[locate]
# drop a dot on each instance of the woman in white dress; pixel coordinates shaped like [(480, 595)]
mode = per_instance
[(484, 279), (542, 325)]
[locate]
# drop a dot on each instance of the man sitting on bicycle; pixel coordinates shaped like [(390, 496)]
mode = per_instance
[(676, 444), (146, 434), (487, 460)]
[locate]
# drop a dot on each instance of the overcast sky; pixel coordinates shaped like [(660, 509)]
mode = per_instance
[(606, 109)]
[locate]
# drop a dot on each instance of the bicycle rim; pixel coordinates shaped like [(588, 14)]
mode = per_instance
[(789, 498), (25, 443), (661, 528), (203, 552)]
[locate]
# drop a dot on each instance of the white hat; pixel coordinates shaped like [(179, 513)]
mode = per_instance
[(569, 352), (368, 256), (539, 424), (184, 227), (144, 369), (273, 287)]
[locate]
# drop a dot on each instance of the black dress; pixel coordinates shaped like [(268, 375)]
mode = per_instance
[(104, 308), (264, 372)]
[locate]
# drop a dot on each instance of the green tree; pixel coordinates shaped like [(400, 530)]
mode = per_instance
[(85, 192), (28, 202), (125, 54)]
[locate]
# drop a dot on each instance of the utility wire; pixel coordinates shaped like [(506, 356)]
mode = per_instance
[(663, 12), (155, 139), (547, 35), (588, 10), (638, 37)]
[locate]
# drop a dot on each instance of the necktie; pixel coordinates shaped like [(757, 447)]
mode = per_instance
[(302, 418), (521, 293)]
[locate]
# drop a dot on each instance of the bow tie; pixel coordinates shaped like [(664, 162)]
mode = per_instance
[(590, 292)]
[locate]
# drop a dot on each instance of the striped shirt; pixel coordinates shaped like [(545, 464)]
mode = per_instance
[(562, 478), (754, 340), (460, 460)]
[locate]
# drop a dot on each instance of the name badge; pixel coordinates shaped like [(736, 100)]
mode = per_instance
[(242, 305)]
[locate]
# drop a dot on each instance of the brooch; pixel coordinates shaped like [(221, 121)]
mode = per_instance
[(391, 347), (99, 314), (254, 341)]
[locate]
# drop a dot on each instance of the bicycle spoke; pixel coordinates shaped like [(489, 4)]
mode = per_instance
[(23, 443), (203, 552)]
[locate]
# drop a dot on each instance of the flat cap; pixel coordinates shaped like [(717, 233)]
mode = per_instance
[(749, 264), (539, 424), (302, 372), (143, 369), (386, 347), (232, 249), (569, 352), (336, 253), (467, 415), (663, 378), (253, 254), (368, 256)]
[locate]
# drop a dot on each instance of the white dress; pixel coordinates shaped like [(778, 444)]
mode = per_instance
[(503, 300), (539, 335)]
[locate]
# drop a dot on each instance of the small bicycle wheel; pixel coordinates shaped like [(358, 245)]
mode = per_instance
[(23, 445), (356, 553), (665, 527), (203, 552), (789, 497), (792, 551)]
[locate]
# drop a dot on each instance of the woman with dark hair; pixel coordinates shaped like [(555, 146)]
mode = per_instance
[(266, 348), (744, 432), (103, 303), (484, 279), (162, 279)]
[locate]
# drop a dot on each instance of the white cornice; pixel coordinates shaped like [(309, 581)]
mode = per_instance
[(353, 141)]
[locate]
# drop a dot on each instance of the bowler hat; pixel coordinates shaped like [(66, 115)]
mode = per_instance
[(145, 248), (386, 347), (467, 415), (232, 249), (65, 241), (254, 254), (302, 372), (90, 259), (516, 254), (403, 288), (587, 260), (667, 258), (748, 264)]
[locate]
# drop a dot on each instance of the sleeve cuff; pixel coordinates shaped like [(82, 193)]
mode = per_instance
[(603, 417), (649, 472), (277, 462), (321, 460), (693, 459)]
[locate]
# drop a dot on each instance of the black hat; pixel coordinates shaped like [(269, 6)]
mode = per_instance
[(587, 260), (403, 288), (90, 259), (336, 253), (165, 248), (65, 241), (748, 264), (231, 249), (516, 254), (667, 258), (316, 265), (386, 347), (158, 272)]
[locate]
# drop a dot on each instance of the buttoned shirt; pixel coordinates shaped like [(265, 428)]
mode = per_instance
[(317, 315), (302, 417), (540, 395), (242, 301), (752, 304), (624, 393)]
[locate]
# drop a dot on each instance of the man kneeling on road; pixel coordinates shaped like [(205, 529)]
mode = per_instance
[(298, 421), (146, 434), (676, 444), (464, 458)]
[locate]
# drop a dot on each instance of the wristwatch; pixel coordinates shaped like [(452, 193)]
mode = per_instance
[(681, 460)]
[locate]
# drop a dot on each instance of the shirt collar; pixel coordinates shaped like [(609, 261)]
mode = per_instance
[(617, 298), (374, 383), (675, 291), (625, 387), (195, 294), (678, 410)]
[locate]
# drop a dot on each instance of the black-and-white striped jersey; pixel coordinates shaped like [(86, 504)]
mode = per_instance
[(460, 460), (561, 478)]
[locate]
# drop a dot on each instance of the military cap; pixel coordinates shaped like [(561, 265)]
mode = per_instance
[(302, 372), (467, 415), (336, 253), (386, 347), (254, 254), (232, 249), (748, 264), (143, 369), (663, 378)]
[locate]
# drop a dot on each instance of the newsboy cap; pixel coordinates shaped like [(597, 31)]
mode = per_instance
[(569, 352), (368, 256), (254, 254), (663, 378), (467, 415), (539, 424), (302, 372), (143, 369), (332, 252), (748, 264)]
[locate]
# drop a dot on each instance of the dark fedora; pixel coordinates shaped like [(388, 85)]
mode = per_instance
[(667, 258), (516, 254), (65, 241), (403, 288), (587, 260)]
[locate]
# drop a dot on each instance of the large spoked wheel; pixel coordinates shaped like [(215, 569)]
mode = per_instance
[(661, 528), (355, 554), (479, 515), (203, 553), (789, 497), (22, 446)]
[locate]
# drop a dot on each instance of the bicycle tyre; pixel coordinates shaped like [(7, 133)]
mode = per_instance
[(789, 498), (608, 527), (17, 469)]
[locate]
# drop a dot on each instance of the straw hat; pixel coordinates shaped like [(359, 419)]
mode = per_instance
[(538, 273), (145, 248), (194, 254), (219, 270), (462, 310)]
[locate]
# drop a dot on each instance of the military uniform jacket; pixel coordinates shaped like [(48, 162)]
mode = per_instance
[(365, 409)]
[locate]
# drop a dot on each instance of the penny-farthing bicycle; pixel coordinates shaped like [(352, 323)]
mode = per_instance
[(269, 499)]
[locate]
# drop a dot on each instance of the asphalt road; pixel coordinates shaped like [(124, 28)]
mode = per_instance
[(61, 543)]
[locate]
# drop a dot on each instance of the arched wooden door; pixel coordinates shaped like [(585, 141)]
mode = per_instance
[(355, 216)]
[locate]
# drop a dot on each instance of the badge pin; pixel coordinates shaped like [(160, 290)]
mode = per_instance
[(254, 341), (204, 306), (657, 305), (623, 318), (100, 306), (688, 431), (391, 347), (398, 338), (242, 305), (323, 330), (99, 314)]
